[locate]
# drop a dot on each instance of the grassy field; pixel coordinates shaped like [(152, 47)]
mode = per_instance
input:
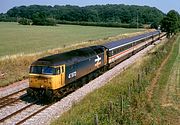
[(125, 99), (15, 39)]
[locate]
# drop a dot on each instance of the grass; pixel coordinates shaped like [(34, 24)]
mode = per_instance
[(166, 95), (124, 99), (15, 39)]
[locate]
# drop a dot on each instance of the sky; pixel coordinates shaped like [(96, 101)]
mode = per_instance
[(163, 5)]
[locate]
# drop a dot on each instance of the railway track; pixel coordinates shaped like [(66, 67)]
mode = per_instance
[(19, 116), (21, 107), (15, 108), (12, 98), (33, 114), (8, 96)]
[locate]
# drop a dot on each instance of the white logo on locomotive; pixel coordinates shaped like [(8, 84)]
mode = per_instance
[(71, 75), (97, 61)]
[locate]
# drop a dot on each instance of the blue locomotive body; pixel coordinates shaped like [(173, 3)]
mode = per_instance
[(83, 62)]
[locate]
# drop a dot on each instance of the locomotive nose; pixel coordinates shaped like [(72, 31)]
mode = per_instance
[(41, 82)]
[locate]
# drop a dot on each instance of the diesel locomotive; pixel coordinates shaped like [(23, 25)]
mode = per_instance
[(54, 75)]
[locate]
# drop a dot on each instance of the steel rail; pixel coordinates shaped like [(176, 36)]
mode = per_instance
[(16, 112), (6, 97)]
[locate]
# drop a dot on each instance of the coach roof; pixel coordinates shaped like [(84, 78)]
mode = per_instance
[(115, 44)]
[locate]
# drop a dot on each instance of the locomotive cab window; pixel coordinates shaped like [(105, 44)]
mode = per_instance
[(58, 71), (46, 70)]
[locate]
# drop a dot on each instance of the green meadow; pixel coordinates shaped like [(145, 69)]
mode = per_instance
[(16, 39)]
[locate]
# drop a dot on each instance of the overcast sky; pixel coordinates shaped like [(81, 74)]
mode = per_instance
[(163, 5)]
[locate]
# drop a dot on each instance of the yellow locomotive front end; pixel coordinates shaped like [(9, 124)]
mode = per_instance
[(45, 80)]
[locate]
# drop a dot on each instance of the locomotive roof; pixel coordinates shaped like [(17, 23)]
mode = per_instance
[(70, 57), (115, 44)]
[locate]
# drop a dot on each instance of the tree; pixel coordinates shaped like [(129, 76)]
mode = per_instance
[(170, 22), (40, 18)]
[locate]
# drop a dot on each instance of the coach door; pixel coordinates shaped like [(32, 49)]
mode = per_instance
[(62, 75)]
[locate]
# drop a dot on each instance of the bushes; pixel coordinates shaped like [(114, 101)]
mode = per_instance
[(102, 24), (24, 21), (44, 22), (41, 22)]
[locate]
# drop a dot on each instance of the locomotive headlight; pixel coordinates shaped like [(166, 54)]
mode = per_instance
[(42, 86)]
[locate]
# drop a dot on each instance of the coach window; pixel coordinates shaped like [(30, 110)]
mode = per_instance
[(143, 40), (115, 51), (126, 47), (121, 49), (131, 44), (112, 53)]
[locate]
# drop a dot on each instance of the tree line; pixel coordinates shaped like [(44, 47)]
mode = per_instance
[(112, 15), (116, 14)]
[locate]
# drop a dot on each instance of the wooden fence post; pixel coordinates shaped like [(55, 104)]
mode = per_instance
[(110, 110), (96, 119), (122, 105)]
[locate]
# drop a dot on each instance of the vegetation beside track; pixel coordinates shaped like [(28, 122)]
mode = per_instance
[(124, 100), (15, 68), (166, 96)]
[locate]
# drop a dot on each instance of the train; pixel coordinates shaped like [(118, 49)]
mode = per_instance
[(54, 75)]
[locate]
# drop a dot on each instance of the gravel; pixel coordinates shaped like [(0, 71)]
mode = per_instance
[(13, 88), (46, 116), (20, 116)]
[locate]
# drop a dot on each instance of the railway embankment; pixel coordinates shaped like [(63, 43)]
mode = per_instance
[(143, 94)]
